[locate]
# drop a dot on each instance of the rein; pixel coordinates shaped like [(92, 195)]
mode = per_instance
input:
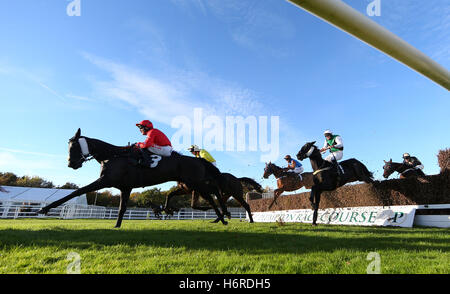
[(409, 169)]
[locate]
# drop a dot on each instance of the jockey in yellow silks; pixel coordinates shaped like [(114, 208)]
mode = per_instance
[(202, 153)]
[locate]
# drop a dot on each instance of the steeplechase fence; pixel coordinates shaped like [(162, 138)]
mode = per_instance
[(395, 202)]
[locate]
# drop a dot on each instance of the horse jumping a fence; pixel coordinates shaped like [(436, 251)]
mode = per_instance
[(286, 181), (326, 176)]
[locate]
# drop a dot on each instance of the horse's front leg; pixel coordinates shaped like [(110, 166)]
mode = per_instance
[(276, 194), (220, 199), (311, 196), (210, 199), (124, 196), (316, 206), (100, 183)]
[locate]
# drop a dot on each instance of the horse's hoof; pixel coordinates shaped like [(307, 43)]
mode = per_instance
[(42, 211), (314, 225), (225, 223)]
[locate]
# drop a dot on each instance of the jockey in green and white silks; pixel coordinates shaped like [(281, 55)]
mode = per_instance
[(334, 144)]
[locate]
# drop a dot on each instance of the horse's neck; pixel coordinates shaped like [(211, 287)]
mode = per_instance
[(316, 160), (101, 150), (399, 167), (277, 171)]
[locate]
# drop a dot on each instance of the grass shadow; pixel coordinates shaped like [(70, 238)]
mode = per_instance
[(280, 241)]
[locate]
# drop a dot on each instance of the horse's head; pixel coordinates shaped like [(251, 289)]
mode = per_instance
[(268, 170), (306, 150), (76, 155), (388, 169)]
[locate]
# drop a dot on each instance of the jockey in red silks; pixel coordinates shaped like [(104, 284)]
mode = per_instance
[(156, 141)]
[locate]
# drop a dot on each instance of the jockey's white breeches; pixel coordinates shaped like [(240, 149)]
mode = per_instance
[(338, 155), (161, 150), (297, 170)]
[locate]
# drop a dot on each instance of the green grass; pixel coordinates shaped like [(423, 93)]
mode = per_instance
[(41, 246)]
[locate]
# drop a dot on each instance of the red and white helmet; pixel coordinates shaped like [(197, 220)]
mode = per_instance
[(145, 123)]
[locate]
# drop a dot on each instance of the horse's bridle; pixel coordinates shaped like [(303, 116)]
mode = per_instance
[(310, 151), (268, 169), (391, 169), (388, 169), (85, 153)]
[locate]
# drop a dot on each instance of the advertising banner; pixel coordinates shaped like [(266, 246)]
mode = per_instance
[(400, 216)]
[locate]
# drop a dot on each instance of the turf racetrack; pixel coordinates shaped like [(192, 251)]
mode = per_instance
[(42, 246)]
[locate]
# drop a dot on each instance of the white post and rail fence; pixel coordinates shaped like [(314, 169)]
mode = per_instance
[(11, 210)]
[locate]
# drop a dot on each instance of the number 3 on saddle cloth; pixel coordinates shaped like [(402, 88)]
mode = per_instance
[(148, 159)]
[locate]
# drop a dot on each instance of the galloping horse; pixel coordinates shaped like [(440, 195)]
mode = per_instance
[(121, 171), (326, 177), (230, 186), (404, 170), (286, 181)]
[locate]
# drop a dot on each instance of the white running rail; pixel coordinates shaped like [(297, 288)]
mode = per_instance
[(76, 211)]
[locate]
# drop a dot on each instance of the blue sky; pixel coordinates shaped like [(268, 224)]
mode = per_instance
[(124, 61)]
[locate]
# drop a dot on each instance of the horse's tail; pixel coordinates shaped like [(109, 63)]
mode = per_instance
[(252, 183), (366, 172)]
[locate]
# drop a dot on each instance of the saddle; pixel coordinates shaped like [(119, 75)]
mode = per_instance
[(148, 159), (293, 175), (334, 167)]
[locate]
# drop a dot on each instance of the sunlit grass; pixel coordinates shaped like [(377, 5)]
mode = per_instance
[(42, 246)]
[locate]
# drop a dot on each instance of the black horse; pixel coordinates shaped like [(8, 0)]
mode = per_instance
[(230, 186), (404, 171), (119, 169), (326, 176)]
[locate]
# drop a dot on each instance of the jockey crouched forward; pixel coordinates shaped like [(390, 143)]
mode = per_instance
[(294, 166), (335, 145), (156, 142), (202, 153), (412, 161)]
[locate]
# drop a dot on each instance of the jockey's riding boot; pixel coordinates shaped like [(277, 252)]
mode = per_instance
[(338, 168), (341, 169), (145, 159)]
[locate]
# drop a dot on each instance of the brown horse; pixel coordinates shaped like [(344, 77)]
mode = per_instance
[(404, 171), (286, 181)]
